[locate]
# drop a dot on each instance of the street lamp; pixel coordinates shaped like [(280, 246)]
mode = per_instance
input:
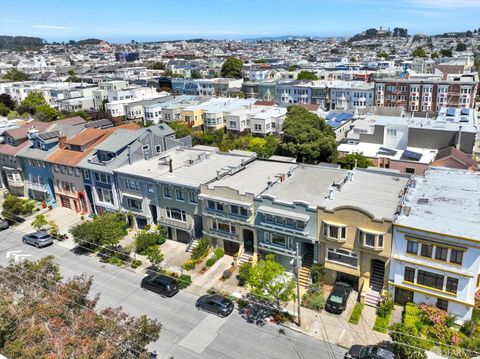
[(297, 261)]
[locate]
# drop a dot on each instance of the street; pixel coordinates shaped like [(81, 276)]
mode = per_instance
[(186, 332)]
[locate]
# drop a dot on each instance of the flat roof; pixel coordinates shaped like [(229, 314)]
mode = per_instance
[(377, 192), (374, 150), (444, 201)]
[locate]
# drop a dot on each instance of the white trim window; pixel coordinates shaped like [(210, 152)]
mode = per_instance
[(342, 256), (176, 214), (134, 204), (105, 195), (102, 178), (338, 233), (371, 240), (133, 185), (222, 226)]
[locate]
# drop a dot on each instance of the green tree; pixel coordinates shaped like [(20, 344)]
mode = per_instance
[(461, 47), (267, 279), (307, 75), (15, 75), (144, 240), (264, 147), (181, 129), (382, 55), (195, 74), (36, 104), (39, 222), (292, 68), (73, 78), (307, 137), (419, 52), (154, 255), (434, 55), (446, 52), (7, 100), (63, 318), (4, 110), (232, 68), (406, 343), (156, 65), (14, 206), (349, 161), (71, 72)]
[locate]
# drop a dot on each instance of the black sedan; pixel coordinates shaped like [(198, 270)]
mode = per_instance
[(337, 300), (368, 352), (215, 304)]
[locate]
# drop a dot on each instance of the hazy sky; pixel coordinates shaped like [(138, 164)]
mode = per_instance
[(143, 20)]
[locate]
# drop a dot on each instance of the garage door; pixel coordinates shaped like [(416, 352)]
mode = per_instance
[(183, 236), (231, 247), (65, 201)]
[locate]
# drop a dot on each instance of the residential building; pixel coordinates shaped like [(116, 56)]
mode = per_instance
[(435, 252)]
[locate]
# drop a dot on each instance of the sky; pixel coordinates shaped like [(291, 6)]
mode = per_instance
[(150, 20)]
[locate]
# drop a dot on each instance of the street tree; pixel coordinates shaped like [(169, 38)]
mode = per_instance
[(307, 137), (268, 279), (45, 317), (232, 68), (39, 222), (307, 75), (36, 105), (14, 206), (419, 52), (354, 159), (154, 255)]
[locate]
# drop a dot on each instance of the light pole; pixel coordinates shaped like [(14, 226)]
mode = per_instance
[(298, 263)]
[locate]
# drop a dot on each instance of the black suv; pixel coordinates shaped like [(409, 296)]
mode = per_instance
[(160, 284), (215, 304), (337, 300), (368, 352)]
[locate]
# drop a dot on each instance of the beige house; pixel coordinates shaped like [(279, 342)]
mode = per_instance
[(355, 230)]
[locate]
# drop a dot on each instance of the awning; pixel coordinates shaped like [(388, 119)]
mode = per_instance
[(371, 231), (283, 213), (132, 196)]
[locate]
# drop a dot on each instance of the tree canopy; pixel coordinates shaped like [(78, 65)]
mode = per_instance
[(232, 68), (461, 47), (307, 137), (446, 52), (15, 75), (36, 105), (44, 317), (354, 159), (307, 75), (419, 52), (7, 100)]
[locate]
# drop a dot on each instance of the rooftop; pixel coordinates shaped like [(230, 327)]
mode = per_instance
[(445, 201)]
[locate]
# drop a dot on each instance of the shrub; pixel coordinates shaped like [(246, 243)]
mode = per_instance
[(476, 316), (144, 239), (386, 306), (184, 281), (314, 298), (219, 253), (281, 317), (226, 274), (136, 263), (210, 262), (114, 251), (14, 206), (189, 264), (316, 272), (201, 250), (381, 323), (243, 273), (115, 260), (356, 313)]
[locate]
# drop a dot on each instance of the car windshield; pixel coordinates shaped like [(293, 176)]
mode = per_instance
[(336, 299), (44, 236), (363, 352), (226, 302)]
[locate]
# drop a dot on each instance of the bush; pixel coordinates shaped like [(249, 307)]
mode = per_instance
[(201, 250), (136, 263), (189, 265), (381, 323), (281, 317), (144, 239), (476, 316), (316, 272), (14, 206), (356, 313), (219, 253), (468, 328), (226, 274), (115, 251), (386, 306), (210, 262), (314, 298), (115, 260), (243, 273), (184, 281)]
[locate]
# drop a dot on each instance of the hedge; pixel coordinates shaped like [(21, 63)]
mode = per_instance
[(356, 313)]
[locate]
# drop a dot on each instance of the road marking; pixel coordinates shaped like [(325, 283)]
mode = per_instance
[(20, 257), (203, 334), (9, 254)]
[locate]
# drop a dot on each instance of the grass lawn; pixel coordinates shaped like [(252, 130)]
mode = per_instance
[(356, 313), (381, 323)]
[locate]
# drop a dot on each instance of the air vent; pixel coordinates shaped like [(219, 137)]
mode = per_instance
[(423, 201)]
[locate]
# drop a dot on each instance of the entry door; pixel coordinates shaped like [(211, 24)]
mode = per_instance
[(65, 202)]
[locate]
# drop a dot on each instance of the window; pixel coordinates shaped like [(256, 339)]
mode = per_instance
[(280, 221), (176, 214), (391, 132), (442, 304), (77, 172), (211, 204), (105, 195), (412, 247), (134, 203), (192, 197), (429, 279), (426, 250), (70, 171), (102, 177), (441, 253), (238, 211), (333, 232), (268, 218), (369, 240), (279, 240), (456, 256), (86, 174), (150, 188), (409, 274), (55, 168), (166, 192), (289, 222), (380, 241), (342, 256), (300, 225), (410, 170), (133, 185), (452, 285)]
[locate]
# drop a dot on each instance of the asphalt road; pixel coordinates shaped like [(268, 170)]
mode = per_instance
[(186, 332)]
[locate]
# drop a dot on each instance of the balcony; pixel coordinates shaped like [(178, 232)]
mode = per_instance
[(221, 234), (176, 224), (276, 248), (36, 186)]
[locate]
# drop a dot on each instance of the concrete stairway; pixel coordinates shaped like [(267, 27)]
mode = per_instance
[(305, 270), (245, 257), (193, 245), (376, 285)]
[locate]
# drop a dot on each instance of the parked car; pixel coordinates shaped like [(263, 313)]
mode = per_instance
[(161, 284), (3, 224), (368, 352), (215, 304), (38, 239), (337, 300)]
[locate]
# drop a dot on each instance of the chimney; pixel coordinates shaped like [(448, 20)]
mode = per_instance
[(330, 193), (459, 137), (61, 141), (170, 166), (218, 175)]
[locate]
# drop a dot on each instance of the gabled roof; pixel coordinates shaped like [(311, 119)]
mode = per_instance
[(22, 131), (456, 154), (86, 136)]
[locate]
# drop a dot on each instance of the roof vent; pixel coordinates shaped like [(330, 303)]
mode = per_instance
[(423, 201)]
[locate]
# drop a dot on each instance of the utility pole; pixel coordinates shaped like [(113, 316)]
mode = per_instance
[(298, 261)]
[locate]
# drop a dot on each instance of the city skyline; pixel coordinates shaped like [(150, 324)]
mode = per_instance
[(148, 20)]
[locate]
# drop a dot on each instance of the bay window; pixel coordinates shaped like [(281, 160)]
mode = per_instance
[(342, 256), (371, 239)]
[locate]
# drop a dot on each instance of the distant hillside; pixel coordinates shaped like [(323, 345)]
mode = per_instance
[(20, 42), (376, 34), (85, 42)]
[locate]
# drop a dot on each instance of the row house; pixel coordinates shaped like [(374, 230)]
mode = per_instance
[(350, 95), (423, 95), (436, 251), (215, 113)]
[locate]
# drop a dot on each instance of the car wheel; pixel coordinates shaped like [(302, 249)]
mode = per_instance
[(37, 245), (24, 241)]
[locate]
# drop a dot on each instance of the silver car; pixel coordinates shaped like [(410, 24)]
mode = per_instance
[(38, 239)]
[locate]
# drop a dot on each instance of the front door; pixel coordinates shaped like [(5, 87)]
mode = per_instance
[(248, 240), (230, 247), (65, 202), (403, 296)]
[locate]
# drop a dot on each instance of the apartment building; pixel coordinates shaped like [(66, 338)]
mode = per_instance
[(346, 95), (268, 120), (423, 95), (355, 225), (435, 253), (294, 92), (215, 112)]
